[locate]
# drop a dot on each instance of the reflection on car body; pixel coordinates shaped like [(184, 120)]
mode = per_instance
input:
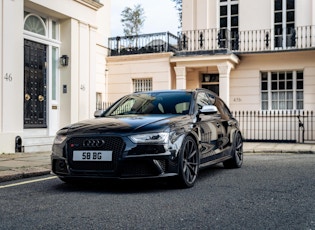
[(169, 133)]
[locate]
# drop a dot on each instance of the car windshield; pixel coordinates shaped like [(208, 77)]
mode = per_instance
[(153, 103)]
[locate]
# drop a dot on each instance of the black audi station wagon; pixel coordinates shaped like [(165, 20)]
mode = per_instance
[(155, 134)]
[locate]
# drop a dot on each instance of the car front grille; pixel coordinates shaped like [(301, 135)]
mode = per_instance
[(114, 144)]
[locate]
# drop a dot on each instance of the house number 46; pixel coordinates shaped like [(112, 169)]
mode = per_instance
[(8, 77)]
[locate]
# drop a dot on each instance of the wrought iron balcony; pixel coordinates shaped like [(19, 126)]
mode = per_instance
[(144, 43), (217, 40), (210, 41)]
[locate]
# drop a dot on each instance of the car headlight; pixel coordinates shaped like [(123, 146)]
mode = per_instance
[(150, 138), (59, 139)]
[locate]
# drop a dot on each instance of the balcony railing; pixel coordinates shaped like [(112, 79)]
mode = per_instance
[(248, 41), (145, 43), (215, 40)]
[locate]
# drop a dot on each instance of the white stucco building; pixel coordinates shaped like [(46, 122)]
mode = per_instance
[(257, 55), (39, 94)]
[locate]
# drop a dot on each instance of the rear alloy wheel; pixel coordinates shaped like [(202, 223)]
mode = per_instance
[(188, 163), (237, 153)]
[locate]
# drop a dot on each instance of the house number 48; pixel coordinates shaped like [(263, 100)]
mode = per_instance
[(8, 77)]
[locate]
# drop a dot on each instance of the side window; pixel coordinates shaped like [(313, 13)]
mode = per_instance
[(222, 109), (202, 100), (125, 107)]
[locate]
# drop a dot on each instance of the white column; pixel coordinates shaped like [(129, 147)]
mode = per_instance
[(180, 77), (224, 71)]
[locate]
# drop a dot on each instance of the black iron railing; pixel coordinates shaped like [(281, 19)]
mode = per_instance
[(215, 40), (270, 126), (102, 105), (282, 126), (144, 43)]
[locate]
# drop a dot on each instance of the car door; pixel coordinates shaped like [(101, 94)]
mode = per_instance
[(210, 129), (226, 122)]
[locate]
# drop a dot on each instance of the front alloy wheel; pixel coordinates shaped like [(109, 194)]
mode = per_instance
[(237, 153), (188, 163)]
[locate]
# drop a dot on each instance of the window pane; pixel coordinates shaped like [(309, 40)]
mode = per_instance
[(289, 105), (290, 16), (278, 29), (274, 105), (278, 4), (35, 25), (290, 4), (274, 76), (299, 85), (264, 105), (264, 96), (54, 30), (234, 21), (299, 95), (264, 86), (234, 9), (54, 74), (299, 105), (289, 95), (299, 75), (281, 85), (214, 78), (223, 10), (289, 85), (223, 22), (282, 105), (278, 17), (275, 96), (274, 86), (142, 85), (289, 75), (281, 76), (264, 76)]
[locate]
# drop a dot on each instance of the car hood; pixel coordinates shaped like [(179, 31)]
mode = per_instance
[(126, 124)]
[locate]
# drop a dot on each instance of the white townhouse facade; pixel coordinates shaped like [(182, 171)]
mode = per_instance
[(52, 63), (259, 56)]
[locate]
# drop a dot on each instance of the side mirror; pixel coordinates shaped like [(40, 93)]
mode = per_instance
[(208, 109), (98, 113)]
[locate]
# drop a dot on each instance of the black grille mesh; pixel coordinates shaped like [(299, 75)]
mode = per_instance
[(115, 144)]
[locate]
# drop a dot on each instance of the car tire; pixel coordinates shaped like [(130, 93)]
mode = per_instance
[(188, 163), (236, 152)]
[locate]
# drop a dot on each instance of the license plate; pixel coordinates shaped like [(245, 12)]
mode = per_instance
[(91, 155)]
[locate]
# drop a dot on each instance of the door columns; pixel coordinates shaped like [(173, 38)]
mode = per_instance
[(224, 72), (180, 77)]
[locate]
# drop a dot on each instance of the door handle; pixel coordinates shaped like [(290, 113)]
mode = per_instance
[(41, 98), (27, 97)]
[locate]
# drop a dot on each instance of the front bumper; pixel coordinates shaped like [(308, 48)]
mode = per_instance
[(136, 167), (129, 160)]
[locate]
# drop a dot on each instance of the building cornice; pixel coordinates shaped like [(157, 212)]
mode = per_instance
[(137, 57), (93, 4)]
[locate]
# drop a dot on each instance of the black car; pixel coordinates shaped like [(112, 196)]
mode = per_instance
[(150, 135)]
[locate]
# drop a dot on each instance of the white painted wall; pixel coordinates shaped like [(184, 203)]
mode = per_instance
[(11, 91), (122, 69), (83, 36)]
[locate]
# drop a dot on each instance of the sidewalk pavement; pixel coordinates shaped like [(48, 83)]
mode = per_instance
[(23, 165)]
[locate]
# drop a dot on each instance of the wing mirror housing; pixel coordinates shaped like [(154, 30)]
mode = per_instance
[(98, 113), (208, 109)]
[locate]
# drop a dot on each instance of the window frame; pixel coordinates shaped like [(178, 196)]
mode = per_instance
[(286, 36), (142, 84), (277, 83), (230, 32)]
